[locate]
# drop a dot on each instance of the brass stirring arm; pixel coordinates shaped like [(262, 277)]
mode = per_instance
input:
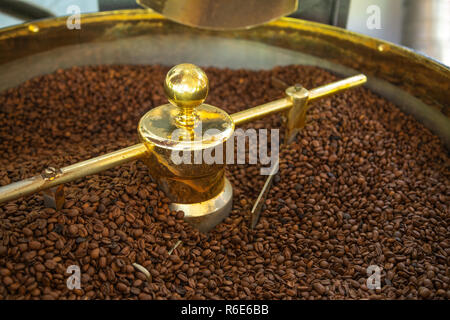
[(73, 172), (285, 104), (70, 173)]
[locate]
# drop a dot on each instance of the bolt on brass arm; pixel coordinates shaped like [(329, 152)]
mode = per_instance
[(54, 177)]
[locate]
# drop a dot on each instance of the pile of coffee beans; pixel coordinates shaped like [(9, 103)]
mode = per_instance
[(363, 190)]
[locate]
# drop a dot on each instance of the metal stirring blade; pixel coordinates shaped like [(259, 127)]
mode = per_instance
[(221, 14)]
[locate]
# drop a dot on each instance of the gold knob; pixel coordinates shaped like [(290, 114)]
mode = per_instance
[(186, 87)]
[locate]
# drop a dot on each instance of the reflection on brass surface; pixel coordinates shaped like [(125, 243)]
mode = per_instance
[(186, 128), (161, 127), (186, 87), (185, 183)]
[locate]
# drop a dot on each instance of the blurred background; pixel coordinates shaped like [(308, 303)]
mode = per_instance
[(423, 25)]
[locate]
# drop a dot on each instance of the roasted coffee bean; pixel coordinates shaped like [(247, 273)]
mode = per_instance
[(34, 245), (122, 287), (102, 262), (73, 230), (95, 253), (424, 292), (363, 184), (50, 264), (319, 288)]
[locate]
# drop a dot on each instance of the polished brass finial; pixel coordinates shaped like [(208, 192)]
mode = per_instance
[(186, 87)]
